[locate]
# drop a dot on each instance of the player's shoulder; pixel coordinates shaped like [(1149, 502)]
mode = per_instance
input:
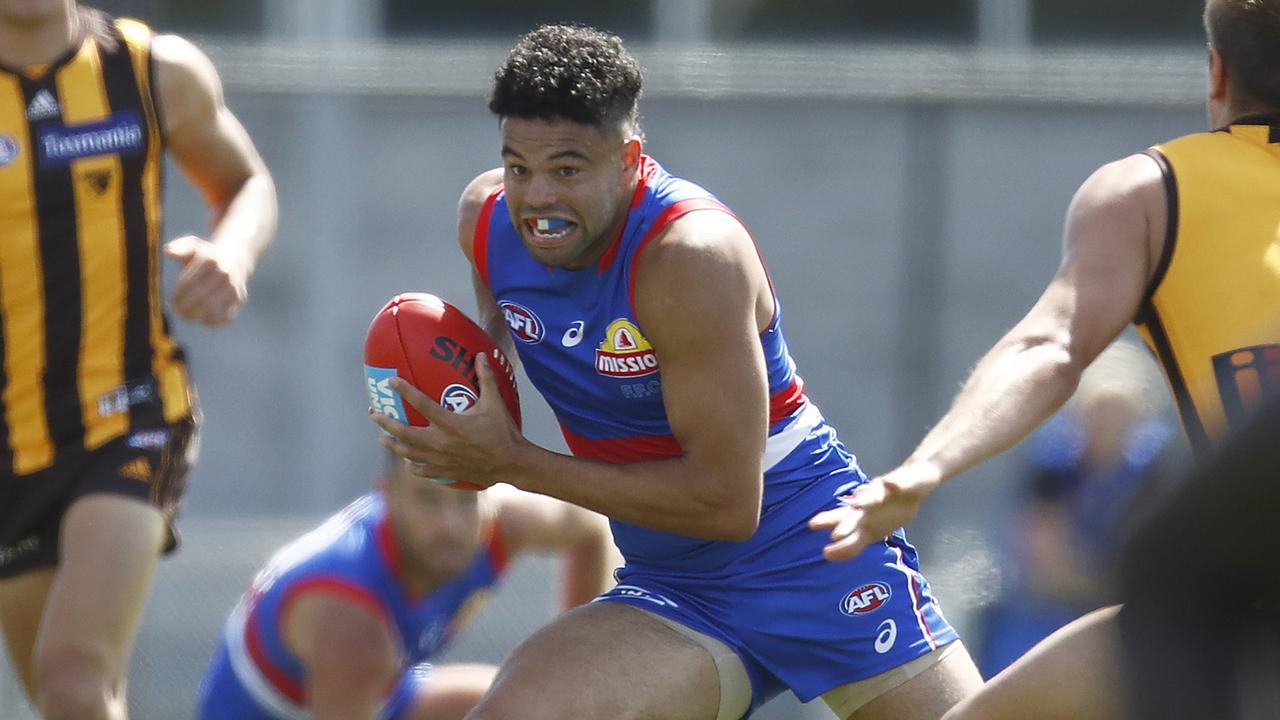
[(710, 234), (471, 204), (186, 82), (1137, 180), (477, 192)]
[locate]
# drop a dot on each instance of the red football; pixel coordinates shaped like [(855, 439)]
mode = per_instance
[(434, 346)]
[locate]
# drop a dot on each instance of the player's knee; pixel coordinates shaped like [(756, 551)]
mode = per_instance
[(72, 683)]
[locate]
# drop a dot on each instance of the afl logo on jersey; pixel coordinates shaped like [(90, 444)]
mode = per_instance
[(866, 599), (625, 353), (524, 324), (458, 398), (8, 150)]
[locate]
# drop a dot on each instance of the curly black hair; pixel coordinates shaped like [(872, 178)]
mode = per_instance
[(571, 72)]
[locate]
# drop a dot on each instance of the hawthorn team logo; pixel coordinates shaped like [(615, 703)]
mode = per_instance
[(625, 353)]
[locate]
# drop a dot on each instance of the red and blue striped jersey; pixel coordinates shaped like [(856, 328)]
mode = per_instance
[(585, 351), (352, 555)]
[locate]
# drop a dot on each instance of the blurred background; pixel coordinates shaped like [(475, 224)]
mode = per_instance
[(904, 166)]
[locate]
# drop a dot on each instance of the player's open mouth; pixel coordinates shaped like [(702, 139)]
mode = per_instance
[(550, 229)]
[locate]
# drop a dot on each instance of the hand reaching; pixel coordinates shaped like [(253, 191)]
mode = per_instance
[(874, 510)]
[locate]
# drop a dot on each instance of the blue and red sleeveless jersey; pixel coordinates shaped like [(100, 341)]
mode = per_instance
[(583, 348), (353, 555)]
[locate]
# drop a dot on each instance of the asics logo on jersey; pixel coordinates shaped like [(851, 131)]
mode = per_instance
[(524, 324), (573, 335), (866, 599), (625, 352)]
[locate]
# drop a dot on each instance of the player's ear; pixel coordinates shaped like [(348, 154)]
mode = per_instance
[(631, 152), (1218, 81)]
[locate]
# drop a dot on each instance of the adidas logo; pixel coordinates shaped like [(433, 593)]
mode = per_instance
[(137, 469), (43, 106)]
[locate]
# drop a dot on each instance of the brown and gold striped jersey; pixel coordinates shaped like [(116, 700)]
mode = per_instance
[(87, 355), (1213, 314)]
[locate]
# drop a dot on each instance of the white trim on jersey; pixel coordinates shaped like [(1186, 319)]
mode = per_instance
[(779, 445), (250, 676)]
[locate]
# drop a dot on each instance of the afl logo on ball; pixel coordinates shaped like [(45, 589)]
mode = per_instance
[(526, 326), (866, 599), (8, 150), (458, 398)]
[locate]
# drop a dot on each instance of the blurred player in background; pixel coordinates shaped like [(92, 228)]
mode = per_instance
[(1182, 240), (1089, 472), (642, 312), (99, 417), (340, 623)]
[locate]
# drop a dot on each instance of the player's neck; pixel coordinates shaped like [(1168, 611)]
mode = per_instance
[(40, 42)]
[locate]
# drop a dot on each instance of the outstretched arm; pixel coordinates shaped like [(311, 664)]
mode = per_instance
[(219, 158), (1113, 238), (537, 522)]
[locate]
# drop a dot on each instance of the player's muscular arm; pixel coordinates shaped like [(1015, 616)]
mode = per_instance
[(538, 522), (348, 653), (697, 290), (1112, 242), (700, 295), (489, 316), (217, 155)]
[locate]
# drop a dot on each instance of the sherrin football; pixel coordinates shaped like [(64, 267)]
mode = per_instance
[(433, 345)]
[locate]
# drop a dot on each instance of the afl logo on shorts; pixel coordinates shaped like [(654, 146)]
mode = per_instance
[(458, 398), (866, 599), (524, 324), (8, 150), (625, 353)]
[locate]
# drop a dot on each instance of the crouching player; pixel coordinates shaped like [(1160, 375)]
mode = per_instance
[(341, 621)]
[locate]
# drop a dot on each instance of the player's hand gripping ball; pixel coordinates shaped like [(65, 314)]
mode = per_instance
[(433, 346)]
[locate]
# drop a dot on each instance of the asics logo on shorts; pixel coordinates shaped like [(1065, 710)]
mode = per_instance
[(886, 636)]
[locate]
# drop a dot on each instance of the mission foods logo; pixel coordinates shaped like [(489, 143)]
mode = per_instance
[(625, 353)]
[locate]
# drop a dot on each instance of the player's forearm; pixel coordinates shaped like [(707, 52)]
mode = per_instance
[(669, 495), (587, 570), (1015, 387), (247, 223)]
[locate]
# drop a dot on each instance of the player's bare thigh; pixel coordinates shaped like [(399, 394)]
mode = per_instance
[(605, 661), (922, 689), (1077, 673), (110, 548), (22, 600)]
